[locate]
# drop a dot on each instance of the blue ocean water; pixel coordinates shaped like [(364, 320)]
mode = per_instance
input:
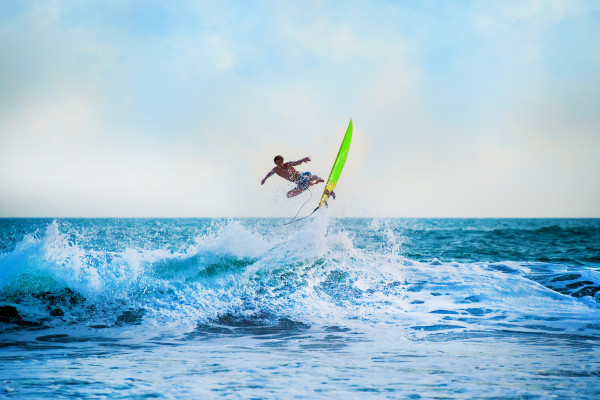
[(326, 308)]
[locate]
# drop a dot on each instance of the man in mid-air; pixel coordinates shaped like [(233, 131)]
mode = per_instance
[(287, 171)]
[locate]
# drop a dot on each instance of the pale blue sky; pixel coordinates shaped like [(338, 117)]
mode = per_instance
[(160, 108)]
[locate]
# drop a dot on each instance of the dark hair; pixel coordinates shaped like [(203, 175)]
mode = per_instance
[(277, 158)]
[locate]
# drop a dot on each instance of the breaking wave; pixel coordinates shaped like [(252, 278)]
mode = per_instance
[(220, 272)]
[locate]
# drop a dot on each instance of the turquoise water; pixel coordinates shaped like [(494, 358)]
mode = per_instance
[(326, 308)]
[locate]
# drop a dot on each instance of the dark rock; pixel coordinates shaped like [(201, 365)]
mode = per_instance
[(568, 277), (9, 314), (131, 317), (575, 285), (586, 291), (57, 312), (64, 297)]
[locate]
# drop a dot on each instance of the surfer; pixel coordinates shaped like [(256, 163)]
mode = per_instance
[(287, 171)]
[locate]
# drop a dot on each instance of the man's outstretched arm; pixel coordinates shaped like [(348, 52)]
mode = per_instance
[(294, 163), (266, 177)]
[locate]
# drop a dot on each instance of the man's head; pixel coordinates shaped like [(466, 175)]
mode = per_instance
[(278, 160)]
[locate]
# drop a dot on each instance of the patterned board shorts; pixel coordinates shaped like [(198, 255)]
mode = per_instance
[(304, 181)]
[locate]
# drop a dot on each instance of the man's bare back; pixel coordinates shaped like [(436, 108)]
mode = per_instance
[(287, 171)]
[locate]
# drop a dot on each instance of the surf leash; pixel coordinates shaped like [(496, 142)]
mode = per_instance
[(291, 221)]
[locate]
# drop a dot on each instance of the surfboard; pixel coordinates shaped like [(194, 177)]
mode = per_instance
[(338, 165)]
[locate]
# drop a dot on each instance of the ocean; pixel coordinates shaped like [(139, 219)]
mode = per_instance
[(325, 308)]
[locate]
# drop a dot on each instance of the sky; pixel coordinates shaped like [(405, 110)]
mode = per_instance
[(176, 109)]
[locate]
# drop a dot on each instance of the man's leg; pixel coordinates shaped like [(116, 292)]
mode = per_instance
[(295, 192)]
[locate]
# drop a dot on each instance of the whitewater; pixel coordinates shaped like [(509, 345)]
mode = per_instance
[(325, 308)]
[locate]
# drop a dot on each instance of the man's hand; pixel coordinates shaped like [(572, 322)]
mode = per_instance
[(306, 159)]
